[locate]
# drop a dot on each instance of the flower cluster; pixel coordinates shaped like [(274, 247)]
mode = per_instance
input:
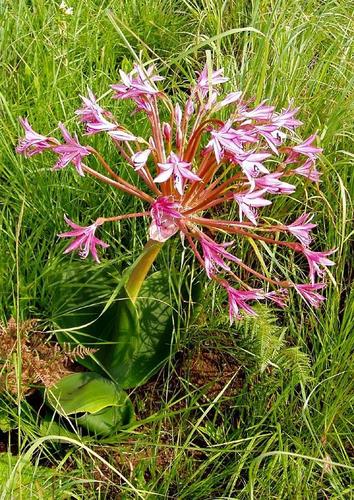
[(194, 165)]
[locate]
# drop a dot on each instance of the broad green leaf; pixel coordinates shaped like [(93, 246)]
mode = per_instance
[(156, 331), (83, 392), (111, 418), (90, 308), (49, 427), (122, 330), (105, 406), (141, 335), (132, 340)]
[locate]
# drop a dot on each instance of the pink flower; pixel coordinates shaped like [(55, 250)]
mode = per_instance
[(306, 148), (317, 259), (224, 140), (309, 170), (279, 297), (229, 99), (213, 97), (164, 213), (301, 228), (165, 206), (70, 152), (122, 135), (189, 108), (33, 143), (272, 184), (205, 80), (136, 84), (92, 114), (252, 165), (286, 119), (213, 254), (249, 202), (244, 135), (177, 168), (205, 163), (84, 239), (238, 300), (260, 112), (140, 158), (99, 124), (272, 135), (143, 104), (309, 294)]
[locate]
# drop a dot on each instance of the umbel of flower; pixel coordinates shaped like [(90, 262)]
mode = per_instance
[(193, 162)]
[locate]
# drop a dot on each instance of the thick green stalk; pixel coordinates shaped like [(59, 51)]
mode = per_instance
[(141, 268)]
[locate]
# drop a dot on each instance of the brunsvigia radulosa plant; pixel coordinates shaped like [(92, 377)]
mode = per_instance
[(192, 163)]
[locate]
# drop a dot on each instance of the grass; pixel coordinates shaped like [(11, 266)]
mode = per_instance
[(288, 432)]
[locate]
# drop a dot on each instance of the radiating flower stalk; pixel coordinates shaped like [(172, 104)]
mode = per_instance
[(193, 166)]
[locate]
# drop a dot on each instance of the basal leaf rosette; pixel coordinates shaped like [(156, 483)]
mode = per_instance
[(193, 163)]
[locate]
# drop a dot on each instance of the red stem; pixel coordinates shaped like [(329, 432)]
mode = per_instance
[(121, 217), (230, 227), (111, 172), (284, 284), (203, 206), (126, 187)]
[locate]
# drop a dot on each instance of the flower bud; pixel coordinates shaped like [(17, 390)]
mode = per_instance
[(178, 115), (189, 110), (167, 131)]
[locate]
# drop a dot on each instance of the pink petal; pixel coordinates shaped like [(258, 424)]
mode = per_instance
[(163, 176)]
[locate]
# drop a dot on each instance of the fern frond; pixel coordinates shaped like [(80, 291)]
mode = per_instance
[(295, 362), (42, 362), (266, 337), (78, 352)]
